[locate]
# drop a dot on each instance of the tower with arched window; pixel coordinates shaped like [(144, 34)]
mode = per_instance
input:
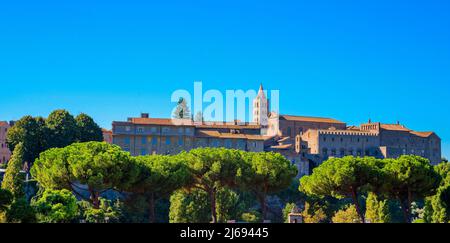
[(260, 110)]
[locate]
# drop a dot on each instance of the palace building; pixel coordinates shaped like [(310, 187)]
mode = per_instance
[(144, 135), (5, 153), (306, 141)]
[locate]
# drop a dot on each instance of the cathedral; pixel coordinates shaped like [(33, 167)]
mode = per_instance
[(306, 141)]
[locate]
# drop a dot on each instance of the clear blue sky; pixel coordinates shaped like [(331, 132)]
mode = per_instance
[(352, 60)]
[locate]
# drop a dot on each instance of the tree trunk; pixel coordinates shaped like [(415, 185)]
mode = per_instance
[(262, 201), (95, 199), (408, 205), (405, 209), (212, 196), (357, 206), (151, 208)]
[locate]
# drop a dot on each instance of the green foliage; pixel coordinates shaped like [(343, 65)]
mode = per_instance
[(194, 207), (107, 212), (158, 176), (437, 207), (314, 214), (20, 211), (265, 173), (229, 206), (292, 194), (62, 129), (58, 130), (56, 206), (348, 215), (98, 165), (13, 179), (377, 211), (251, 217), (212, 168), (32, 133), (87, 129), (410, 178), (182, 110), (189, 207), (6, 198), (343, 177), (51, 169)]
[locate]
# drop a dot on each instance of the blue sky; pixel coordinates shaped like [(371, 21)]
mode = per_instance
[(350, 60)]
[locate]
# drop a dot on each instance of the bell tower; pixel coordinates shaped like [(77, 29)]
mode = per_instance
[(261, 110)]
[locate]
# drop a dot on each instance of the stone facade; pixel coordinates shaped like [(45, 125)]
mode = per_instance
[(107, 136), (142, 136), (305, 141), (314, 140), (5, 153)]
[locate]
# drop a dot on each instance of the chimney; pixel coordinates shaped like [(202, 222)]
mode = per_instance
[(370, 120), (144, 115), (398, 122)]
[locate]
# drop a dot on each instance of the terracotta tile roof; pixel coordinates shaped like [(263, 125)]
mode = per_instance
[(230, 126), (217, 134), (395, 127), (309, 119), (161, 121), (207, 133), (4, 124), (181, 122), (398, 127), (423, 134), (106, 130)]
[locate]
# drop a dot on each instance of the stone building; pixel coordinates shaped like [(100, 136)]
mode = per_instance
[(107, 135), (144, 135), (306, 141), (5, 153)]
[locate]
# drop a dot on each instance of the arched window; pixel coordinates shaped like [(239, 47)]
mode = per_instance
[(325, 151), (289, 131)]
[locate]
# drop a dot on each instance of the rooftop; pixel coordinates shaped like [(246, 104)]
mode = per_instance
[(188, 122), (422, 134), (217, 134), (395, 127), (310, 119)]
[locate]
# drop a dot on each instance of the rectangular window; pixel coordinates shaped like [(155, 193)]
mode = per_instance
[(155, 141), (126, 140), (144, 140), (167, 140), (180, 140), (143, 151)]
